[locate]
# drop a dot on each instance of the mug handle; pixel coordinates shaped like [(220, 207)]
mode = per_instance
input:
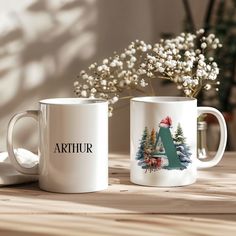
[(31, 170), (223, 137)]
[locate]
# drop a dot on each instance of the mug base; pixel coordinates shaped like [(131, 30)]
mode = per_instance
[(70, 191), (162, 185)]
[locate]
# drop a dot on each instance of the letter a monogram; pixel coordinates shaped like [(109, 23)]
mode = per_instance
[(161, 150)]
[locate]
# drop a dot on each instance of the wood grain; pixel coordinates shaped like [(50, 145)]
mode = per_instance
[(118, 224), (206, 207)]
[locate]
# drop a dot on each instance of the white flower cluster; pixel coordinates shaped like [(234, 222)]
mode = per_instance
[(182, 60), (116, 75)]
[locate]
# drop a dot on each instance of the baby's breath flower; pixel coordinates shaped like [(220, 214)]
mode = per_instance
[(93, 90), (143, 83), (76, 83), (200, 31), (113, 64), (105, 61), (203, 45), (207, 86), (84, 76), (103, 82), (182, 60), (115, 99), (84, 93)]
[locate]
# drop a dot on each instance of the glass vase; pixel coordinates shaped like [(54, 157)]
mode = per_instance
[(202, 150)]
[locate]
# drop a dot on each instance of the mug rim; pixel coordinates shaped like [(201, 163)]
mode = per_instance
[(163, 99), (72, 101)]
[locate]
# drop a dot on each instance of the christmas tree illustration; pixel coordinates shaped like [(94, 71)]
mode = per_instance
[(179, 135), (142, 151), (183, 150), (153, 137)]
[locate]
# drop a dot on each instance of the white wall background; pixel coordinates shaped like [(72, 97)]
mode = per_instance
[(45, 43)]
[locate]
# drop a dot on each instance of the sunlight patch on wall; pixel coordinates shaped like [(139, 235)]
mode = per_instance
[(43, 43)]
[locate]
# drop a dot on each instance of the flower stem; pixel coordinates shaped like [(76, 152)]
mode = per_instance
[(126, 97), (152, 90)]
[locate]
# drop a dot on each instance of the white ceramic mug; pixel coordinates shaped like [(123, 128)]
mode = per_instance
[(73, 146), (164, 140)]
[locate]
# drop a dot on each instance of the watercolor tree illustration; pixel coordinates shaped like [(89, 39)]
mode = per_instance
[(145, 151), (183, 150), (140, 156)]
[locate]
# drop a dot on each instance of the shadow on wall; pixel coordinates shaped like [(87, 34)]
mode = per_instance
[(41, 45), (45, 43)]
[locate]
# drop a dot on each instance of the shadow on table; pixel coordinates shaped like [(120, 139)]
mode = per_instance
[(213, 193)]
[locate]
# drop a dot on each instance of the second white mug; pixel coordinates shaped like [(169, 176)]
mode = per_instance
[(164, 140)]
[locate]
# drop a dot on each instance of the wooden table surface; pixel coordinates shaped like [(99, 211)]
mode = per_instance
[(207, 207)]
